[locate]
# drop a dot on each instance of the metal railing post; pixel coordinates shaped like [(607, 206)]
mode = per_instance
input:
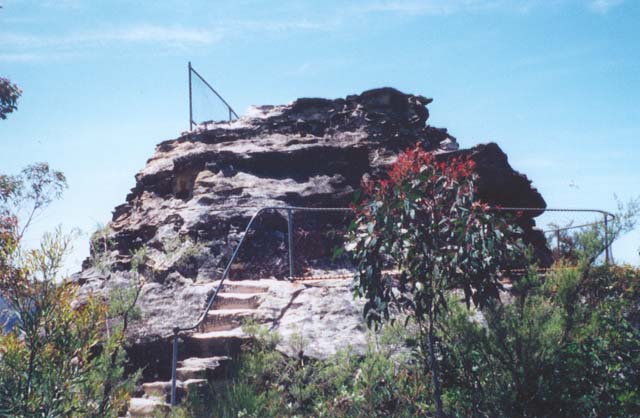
[(190, 101), (606, 239), (174, 365), (608, 252), (290, 236)]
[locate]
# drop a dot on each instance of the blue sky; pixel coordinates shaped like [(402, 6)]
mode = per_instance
[(556, 83)]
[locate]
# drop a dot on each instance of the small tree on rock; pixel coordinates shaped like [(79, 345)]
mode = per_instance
[(425, 222)]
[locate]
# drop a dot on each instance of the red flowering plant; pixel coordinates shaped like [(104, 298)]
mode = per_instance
[(425, 223)]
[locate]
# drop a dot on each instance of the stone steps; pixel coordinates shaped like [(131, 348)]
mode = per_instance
[(226, 319), (147, 407), (209, 368), (242, 287), (237, 301), (162, 390), (212, 349), (193, 373), (218, 343)]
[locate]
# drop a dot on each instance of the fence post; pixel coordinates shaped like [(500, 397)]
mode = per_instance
[(190, 101), (606, 239), (174, 366), (290, 237)]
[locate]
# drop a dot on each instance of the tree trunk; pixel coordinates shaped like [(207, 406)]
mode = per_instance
[(435, 373)]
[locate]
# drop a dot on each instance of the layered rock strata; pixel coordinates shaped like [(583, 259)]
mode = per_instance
[(194, 197)]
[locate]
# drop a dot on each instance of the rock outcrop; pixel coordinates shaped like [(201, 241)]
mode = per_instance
[(194, 197)]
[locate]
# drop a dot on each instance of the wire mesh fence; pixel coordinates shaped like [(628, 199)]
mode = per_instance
[(293, 242), (317, 239), (206, 105)]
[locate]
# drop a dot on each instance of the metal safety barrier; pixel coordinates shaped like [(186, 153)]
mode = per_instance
[(192, 71), (177, 330), (290, 210), (606, 218)]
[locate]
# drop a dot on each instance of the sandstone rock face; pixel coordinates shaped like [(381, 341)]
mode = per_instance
[(196, 194)]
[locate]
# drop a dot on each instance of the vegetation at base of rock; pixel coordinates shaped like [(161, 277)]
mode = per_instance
[(63, 355), (59, 359), (425, 221), (564, 347), (381, 383), (568, 345)]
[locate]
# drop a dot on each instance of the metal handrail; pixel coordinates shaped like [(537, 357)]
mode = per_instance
[(177, 330), (290, 209), (607, 216), (225, 274)]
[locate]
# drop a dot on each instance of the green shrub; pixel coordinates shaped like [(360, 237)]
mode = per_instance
[(561, 349), (64, 355), (568, 345), (100, 246), (382, 382), (184, 254)]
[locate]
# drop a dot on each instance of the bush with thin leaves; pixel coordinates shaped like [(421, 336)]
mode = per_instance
[(562, 348), (64, 355)]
